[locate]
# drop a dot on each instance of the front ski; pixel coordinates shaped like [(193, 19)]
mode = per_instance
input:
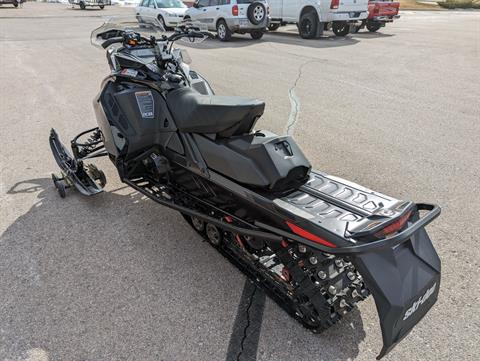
[(87, 179)]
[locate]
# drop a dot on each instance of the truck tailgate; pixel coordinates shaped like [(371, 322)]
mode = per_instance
[(384, 8), (351, 6)]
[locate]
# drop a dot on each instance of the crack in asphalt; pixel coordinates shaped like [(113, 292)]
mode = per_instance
[(242, 343), (295, 101), (245, 336)]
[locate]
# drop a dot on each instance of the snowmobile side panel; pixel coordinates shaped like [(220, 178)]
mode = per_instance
[(404, 281), (136, 118), (112, 136)]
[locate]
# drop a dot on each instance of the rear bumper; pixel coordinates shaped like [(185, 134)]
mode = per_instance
[(349, 16), (240, 24), (173, 21), (385, 18)]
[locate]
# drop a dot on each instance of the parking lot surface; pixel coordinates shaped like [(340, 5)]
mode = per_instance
[(117, 277)]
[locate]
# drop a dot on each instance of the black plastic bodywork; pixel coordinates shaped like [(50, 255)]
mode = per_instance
[(271, 181), (404, 281), (261, 159)]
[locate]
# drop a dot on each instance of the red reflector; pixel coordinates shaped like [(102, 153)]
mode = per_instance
[(394, 227), (228, 219), (334, 4), (235, 10), (307, 235)]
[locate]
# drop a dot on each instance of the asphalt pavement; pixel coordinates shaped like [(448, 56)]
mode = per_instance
[(117, 277)]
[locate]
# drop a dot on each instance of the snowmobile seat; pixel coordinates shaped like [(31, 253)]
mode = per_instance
[(211, 114)]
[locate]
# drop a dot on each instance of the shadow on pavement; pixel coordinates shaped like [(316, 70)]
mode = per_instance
[(111, 277), (368, 35), (239, 41), (115, 276)]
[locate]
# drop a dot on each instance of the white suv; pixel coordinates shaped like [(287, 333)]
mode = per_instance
[(231, 16)]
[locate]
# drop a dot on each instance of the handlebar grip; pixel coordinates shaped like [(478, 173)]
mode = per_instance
[(111, 41), (196, 34)]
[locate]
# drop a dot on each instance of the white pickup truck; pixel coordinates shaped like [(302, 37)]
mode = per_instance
[(314, 16)]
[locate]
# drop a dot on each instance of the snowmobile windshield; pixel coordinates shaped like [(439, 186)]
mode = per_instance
[(116, 27)]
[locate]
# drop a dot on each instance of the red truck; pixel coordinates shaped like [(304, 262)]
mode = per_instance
[(379, 13)]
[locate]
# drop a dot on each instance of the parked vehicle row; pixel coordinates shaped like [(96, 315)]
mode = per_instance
[(254, 17)]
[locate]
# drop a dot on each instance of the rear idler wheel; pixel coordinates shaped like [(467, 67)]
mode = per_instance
[(198, 224), (214, 235)]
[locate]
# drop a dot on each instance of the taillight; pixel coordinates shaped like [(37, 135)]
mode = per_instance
[(334, 4), (307, 235), (393, 227), (235, 10)]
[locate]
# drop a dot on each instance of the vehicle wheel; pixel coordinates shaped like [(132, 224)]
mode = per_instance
[(161, 20), (187, 18), (257, 34), (223, 32), (256, 13), (307, 27), (213, 234), (273, 27), (59, 185), (15, 4), (198, 224), (373, 26), (101, 7), (340, 28), (82, 5)]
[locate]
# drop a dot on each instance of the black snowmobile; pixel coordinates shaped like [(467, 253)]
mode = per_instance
[(317, 244)]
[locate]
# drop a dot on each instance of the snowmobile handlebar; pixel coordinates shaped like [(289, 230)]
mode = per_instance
[(194, 34), (111, 41), (183, 33)]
